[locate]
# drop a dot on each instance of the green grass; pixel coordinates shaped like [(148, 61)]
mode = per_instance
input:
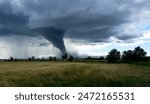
[(142, 63), (65, 74)]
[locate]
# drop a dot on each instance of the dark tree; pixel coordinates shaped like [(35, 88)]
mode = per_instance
[(113, 56), (33, 58), (127, 56), (54, 59), (43, 59), (11, 59), (138, 54), (64, 57), (102, 58), (30, 59), (71, 58), (50, 59), (89, 58)]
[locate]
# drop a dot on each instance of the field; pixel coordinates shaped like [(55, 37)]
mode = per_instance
[(89, 74)]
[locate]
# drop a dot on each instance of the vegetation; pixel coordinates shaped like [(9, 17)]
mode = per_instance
[(113, 55), (71, 58), (138, 54), (132, 68), (64, 73), (64, 57)]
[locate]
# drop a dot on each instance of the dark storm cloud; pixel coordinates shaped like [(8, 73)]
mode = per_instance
[(7, 17), (11, 22), (53, 35), (85, 20)]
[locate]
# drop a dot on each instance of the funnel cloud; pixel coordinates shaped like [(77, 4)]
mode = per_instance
[(53, 35), (79, 21)]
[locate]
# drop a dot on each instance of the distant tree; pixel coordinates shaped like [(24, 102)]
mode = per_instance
[(43, 59), (71, 58), (64, 57), (54, 59), (89, 58), (127, 56), (33, 58), (138, 54), (11, 59), (113, 56), (30, 59), (102, 58), (50, 59)]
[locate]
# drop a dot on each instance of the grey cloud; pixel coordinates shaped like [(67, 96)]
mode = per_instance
[(82, 19), (44, 44), (17, 24), (54, 35), (11, 22), (85, 20), (127, 37)]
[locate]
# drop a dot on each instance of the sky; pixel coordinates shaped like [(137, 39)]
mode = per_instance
[(78, 27)]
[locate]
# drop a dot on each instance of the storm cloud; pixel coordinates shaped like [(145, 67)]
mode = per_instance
[(84, 20)]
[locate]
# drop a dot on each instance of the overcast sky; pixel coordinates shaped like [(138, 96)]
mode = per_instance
[(80, 27)]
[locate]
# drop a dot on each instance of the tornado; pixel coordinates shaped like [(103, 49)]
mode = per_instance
[(53, 35)]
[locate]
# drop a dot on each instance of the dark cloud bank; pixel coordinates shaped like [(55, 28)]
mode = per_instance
[(85, 20)]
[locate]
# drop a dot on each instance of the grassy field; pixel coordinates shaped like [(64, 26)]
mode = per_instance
[(73, 74)]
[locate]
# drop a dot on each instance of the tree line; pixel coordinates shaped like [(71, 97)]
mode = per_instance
[(138, 54)]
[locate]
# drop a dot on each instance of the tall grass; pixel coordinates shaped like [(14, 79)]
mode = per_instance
[(89, 74)]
